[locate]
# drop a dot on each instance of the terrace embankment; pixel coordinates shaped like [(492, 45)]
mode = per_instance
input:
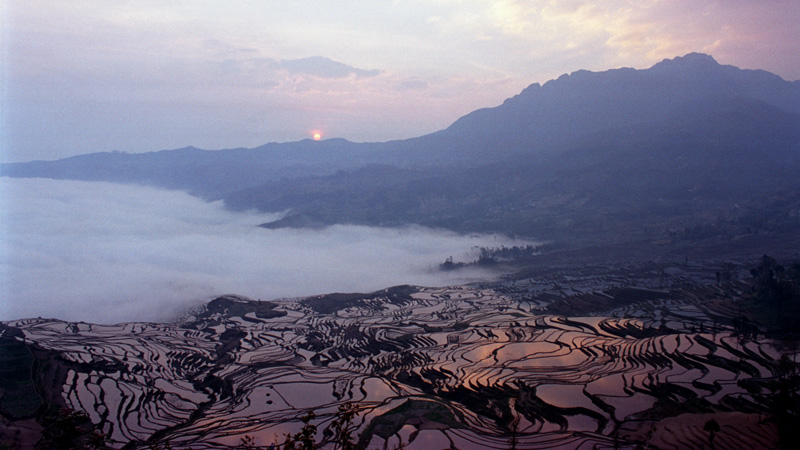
[(616, 356)]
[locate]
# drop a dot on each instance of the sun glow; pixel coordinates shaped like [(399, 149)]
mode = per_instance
[(317, 136)]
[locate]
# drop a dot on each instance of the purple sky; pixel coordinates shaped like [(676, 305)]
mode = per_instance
[(93, 75)]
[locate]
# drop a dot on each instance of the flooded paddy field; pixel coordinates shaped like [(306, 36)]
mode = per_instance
[(602, 358)]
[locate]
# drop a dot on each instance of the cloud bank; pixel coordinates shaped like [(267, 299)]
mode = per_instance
[(109, 253)]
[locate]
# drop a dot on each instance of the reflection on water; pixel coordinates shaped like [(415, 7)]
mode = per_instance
[(439, 367)]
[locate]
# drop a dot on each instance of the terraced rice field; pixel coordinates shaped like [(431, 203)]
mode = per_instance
[(466, 367)]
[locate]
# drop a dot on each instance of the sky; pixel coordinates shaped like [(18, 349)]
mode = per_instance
[(108, 253), (81, 76)]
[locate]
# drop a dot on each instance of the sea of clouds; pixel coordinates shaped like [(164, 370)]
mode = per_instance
[(108, 253)]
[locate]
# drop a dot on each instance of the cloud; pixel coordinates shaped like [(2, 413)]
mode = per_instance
[(553, 37), (320, 66), (107, 253), (315, 66), (412, 84)]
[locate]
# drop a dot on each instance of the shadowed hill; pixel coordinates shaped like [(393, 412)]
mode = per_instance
[(727, 160)]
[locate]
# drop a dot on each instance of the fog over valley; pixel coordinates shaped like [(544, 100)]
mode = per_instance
[(106, 253)]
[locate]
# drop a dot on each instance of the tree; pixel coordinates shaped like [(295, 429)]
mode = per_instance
[(777, 292), (306, 437), (247, 442), (712, 427), (343, 427), (71, 430)]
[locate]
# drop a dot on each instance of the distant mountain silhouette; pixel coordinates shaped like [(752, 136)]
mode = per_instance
[(565, 111), (208, 173), (685, 143)]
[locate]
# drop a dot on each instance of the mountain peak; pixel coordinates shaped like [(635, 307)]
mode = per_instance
[(689, 62), (696, 58)]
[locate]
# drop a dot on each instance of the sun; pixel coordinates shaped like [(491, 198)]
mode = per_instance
[(317, 136)]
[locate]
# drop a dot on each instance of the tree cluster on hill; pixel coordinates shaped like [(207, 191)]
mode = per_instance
[(776, 291), (490, 256)]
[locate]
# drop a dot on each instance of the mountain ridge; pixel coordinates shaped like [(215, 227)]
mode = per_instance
[(584, 102), (620, 141)]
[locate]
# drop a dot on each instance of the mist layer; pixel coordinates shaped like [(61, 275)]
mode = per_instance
[(108, 253)]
